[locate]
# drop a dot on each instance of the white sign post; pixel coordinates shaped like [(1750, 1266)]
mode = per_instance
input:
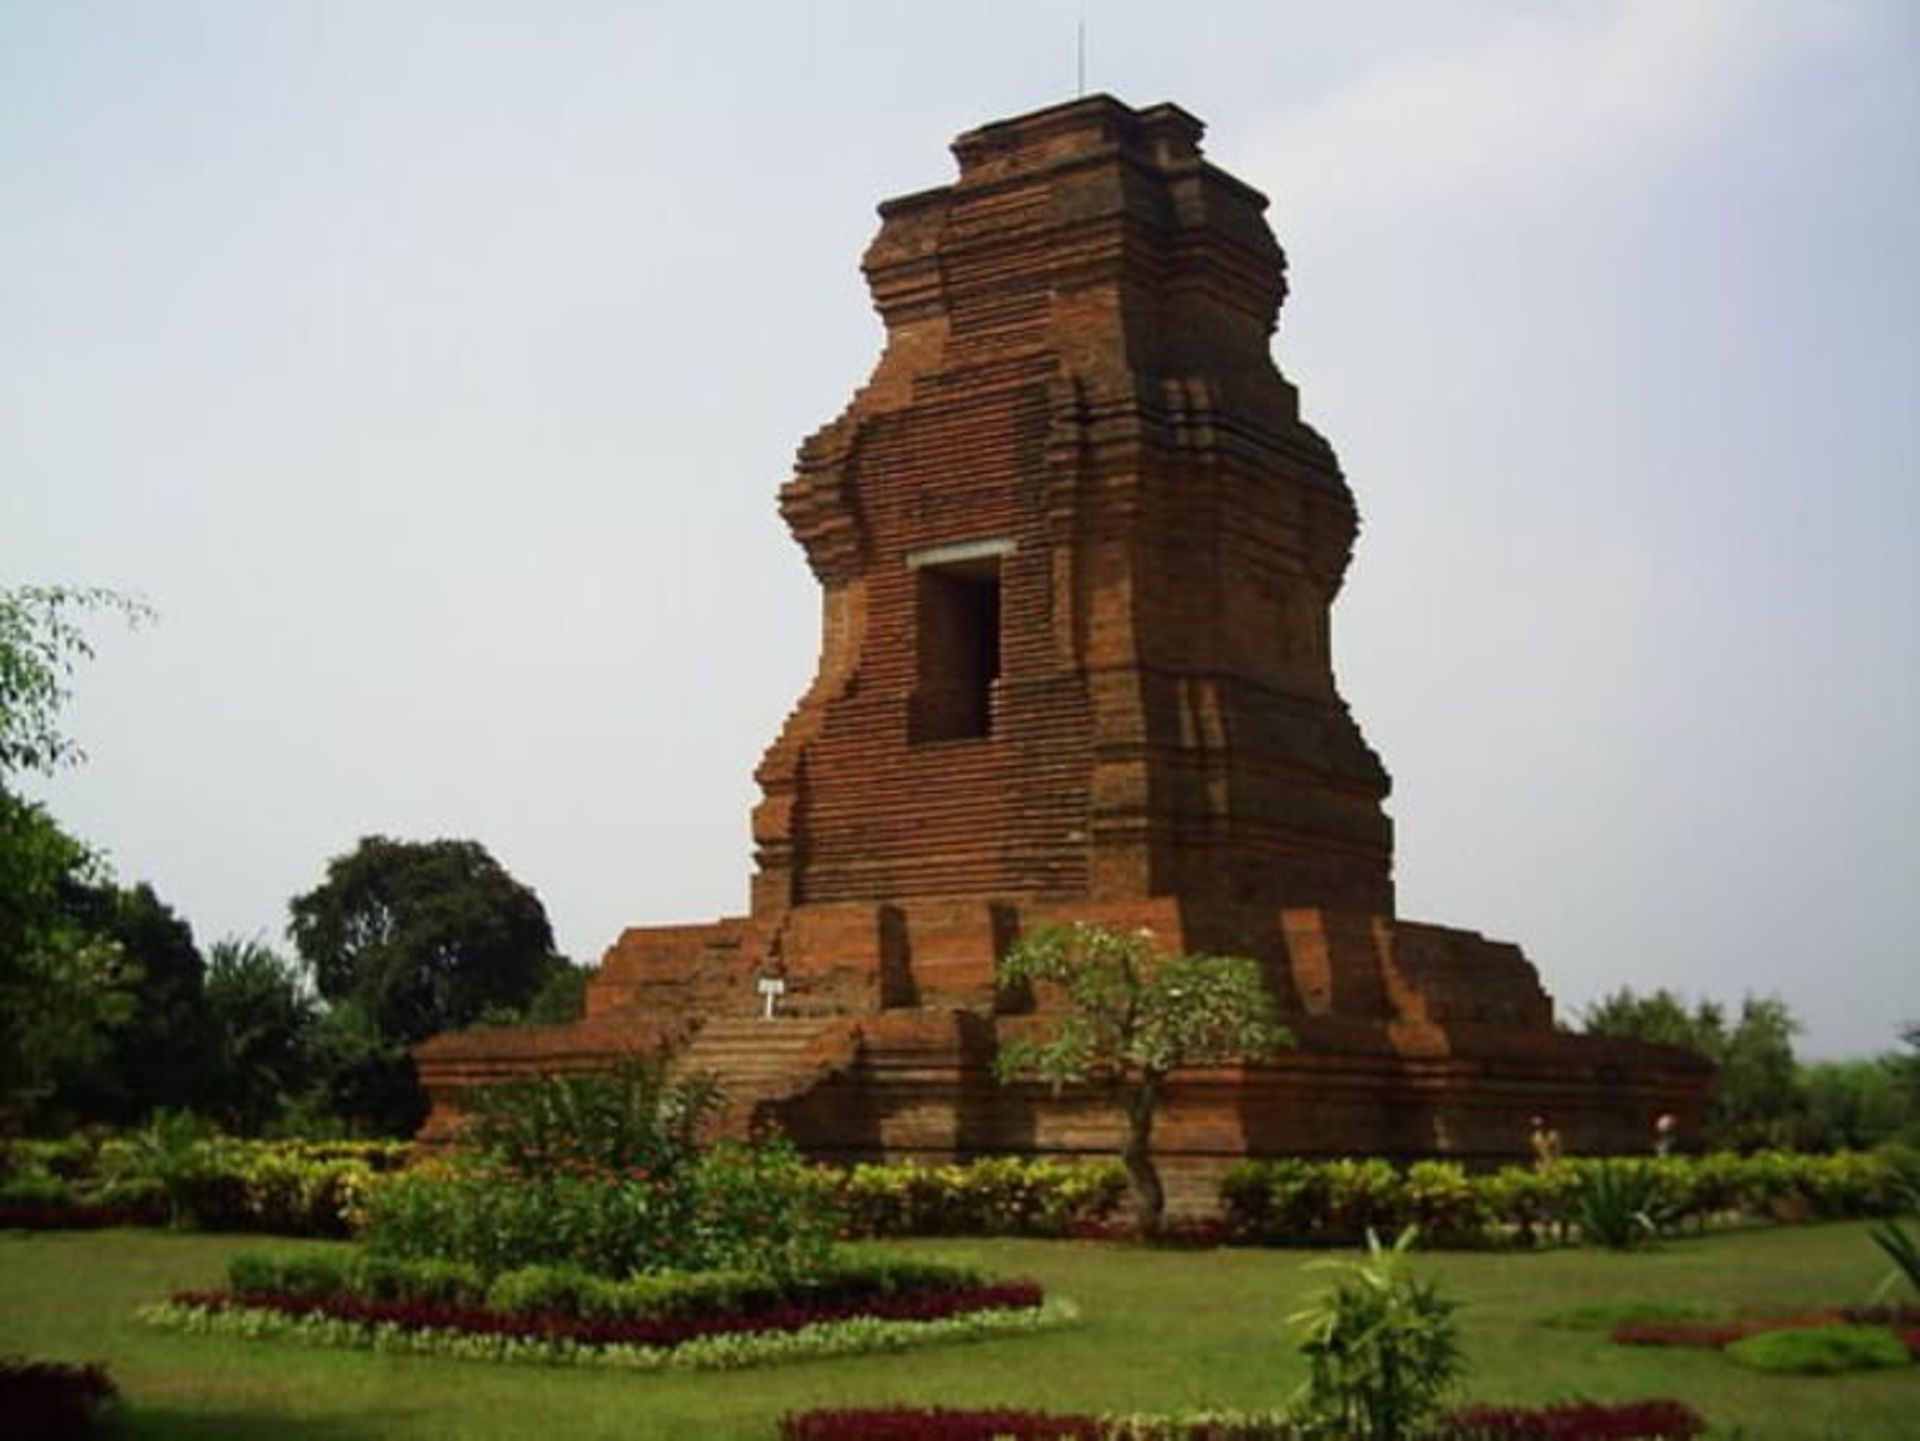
[(771, 989)]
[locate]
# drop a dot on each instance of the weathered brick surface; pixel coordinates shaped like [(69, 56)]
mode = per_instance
[(1078, 554)]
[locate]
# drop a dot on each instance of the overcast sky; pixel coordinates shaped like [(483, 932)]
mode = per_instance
[(431, 369)]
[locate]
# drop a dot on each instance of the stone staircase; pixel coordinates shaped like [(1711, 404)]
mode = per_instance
[(760, 1063)]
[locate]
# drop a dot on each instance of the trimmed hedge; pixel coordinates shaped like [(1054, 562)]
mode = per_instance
[(322, 1188), (291, 1188), (859, 1335), (993, 1196), (1317, 1203), (558, 1291), (651, 1330)]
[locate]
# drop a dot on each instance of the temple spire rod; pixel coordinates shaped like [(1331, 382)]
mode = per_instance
[(1080, 57)]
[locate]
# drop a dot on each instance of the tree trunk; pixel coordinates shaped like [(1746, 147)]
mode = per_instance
[(1136, 1155)]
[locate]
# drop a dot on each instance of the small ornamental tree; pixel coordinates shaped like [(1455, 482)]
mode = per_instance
[(1132, 1015)]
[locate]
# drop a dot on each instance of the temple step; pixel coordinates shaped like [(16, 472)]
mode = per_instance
[(758, 1061)]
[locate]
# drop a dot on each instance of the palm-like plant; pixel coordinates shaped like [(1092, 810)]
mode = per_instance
[(1618, 1204), (1890, 1236), (1381, 1345), (175, 1149)]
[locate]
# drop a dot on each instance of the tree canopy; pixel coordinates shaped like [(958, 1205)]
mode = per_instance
[(41, 642), (262, 1022), (422, 936), (64, 983), (404, 939), (1756, 1100), (158, 1055), (1130, 1015)]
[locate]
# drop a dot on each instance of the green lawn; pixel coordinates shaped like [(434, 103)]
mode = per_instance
[(1164, 1330)]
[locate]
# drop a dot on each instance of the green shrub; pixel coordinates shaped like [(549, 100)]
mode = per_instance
[(739, 1207), (548, 1291), (312, 1272), (1820, 1350), (569, 1291), (1846, 1184), (1382, 1348), (755, 1207), (1277, 1201), (559, 1290), (1617, 1204), (446, 1283), (1443, 1202), (1364, 1197), (632, 1117), (288, 1273), (1294, 1201), (36, 1188), (999, 1196)]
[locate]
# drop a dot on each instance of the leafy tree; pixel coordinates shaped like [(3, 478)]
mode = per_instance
[(1909, 1065), (404, 939), (261, 1021), (41, 641), (1756, 1102), (562, 997), (1662, 1018), (422, 936), (63, 987), (1852, 1105), (158, 1056), (364, 1081), (1132, 1016)]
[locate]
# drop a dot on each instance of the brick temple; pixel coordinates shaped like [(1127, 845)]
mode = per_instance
[(1078, 553)]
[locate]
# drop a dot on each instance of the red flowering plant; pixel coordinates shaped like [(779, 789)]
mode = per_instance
[(618, 1330)]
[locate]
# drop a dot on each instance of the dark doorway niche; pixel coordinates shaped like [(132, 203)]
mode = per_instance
[(957, 649)]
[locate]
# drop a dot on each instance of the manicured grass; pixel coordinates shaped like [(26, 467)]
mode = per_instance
[(1164, 1330)]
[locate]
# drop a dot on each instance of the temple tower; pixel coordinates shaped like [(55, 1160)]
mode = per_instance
[(1078, 551), (1077, 554)]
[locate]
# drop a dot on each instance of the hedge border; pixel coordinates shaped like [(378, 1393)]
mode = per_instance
[(855, 1337)]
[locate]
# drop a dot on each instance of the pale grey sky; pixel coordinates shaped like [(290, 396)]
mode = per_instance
[(431, 368)]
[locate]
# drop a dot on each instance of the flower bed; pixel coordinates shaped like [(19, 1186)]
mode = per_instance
[(1582, 1421), (51, 1400), (1900, 1322), (1569, 1421), (847, 1303), (656, 1346), (614, 1330), (842, 1278)]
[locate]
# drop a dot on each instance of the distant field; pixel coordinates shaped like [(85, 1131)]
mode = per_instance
[(1164, 1330)]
